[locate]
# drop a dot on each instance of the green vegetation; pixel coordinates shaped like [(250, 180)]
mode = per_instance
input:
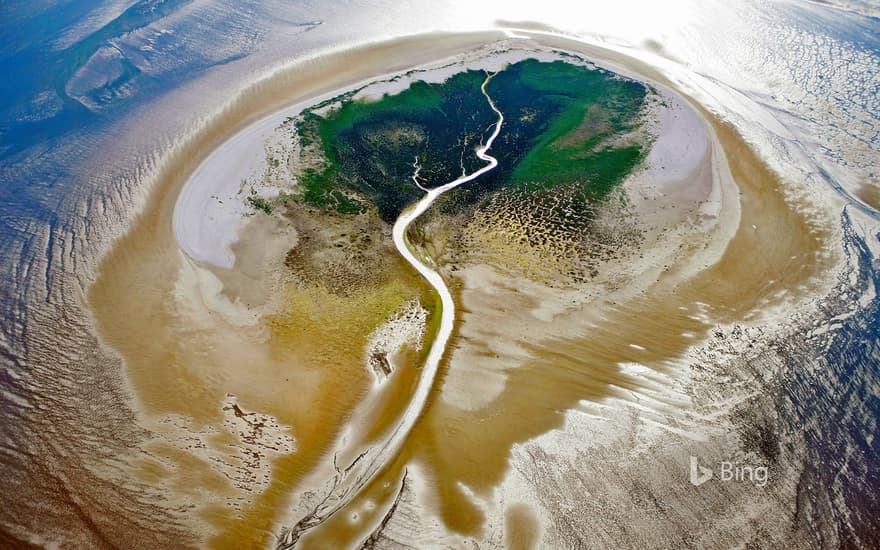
[(260, 204), (320, 190), (560, 118), (372, 148), (565, 125)]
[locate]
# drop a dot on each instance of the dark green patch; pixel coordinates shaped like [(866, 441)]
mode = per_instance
[(557, 117), (371, 147), (560, 119), (260, 204)]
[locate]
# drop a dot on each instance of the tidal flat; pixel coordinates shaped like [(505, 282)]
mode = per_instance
[(584, 269)]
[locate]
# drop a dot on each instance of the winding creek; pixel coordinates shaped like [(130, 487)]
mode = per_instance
[(350, 481)]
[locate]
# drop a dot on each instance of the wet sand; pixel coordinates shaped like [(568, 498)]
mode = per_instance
[(780, 253), (187, 343), (296, 359)]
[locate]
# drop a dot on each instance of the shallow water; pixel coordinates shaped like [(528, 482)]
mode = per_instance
[(76, 169)]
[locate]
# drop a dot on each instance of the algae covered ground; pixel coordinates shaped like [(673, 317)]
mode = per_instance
[(566, 125)]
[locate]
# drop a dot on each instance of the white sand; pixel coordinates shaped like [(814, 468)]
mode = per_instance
[(211, 206), (675, 171), (681, 143)]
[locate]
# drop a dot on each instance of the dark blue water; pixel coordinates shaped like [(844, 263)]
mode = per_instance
[(818, 417), (46, 98), (829, 404)]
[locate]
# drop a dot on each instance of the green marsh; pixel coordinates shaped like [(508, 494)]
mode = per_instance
[(565, 125)]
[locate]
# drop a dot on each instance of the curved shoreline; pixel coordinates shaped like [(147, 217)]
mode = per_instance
[(210, 210)]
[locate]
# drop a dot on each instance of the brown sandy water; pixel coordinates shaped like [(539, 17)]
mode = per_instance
[(302, 362), (778, 255), (302, 366)]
